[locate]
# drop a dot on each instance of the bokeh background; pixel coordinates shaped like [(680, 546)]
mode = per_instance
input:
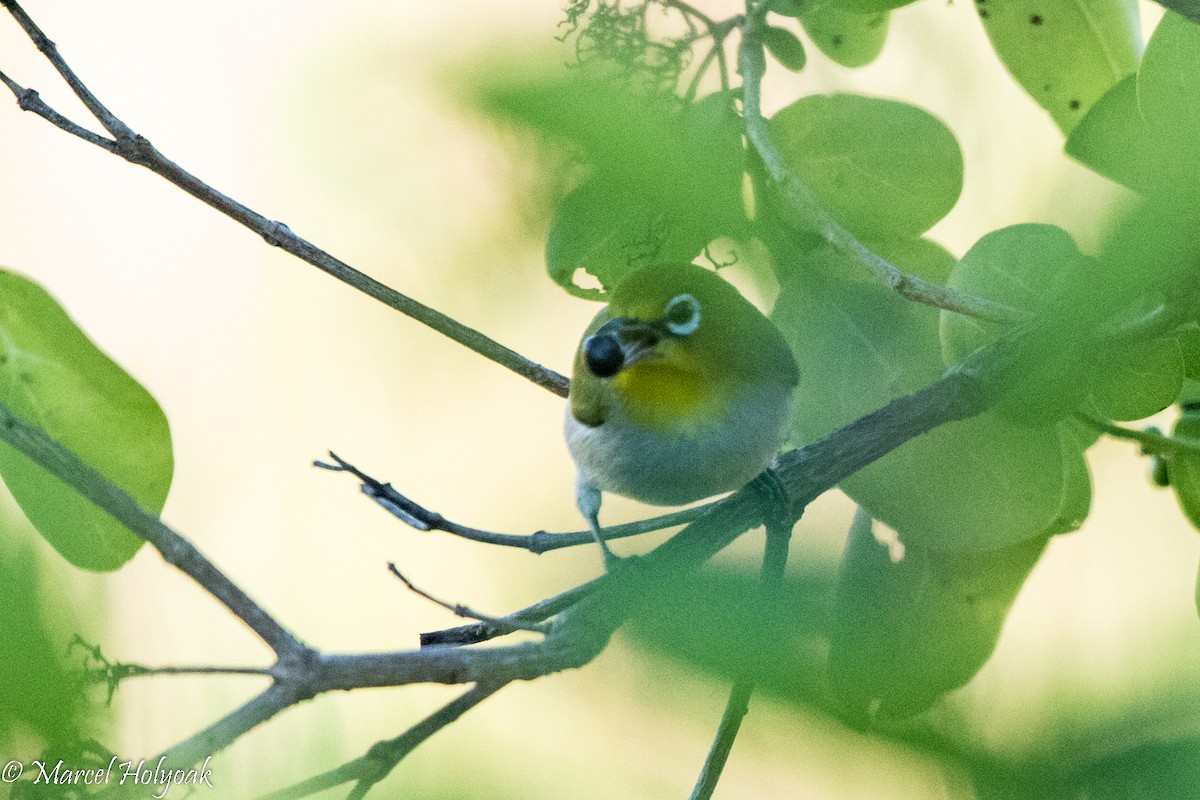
[(347, 122)]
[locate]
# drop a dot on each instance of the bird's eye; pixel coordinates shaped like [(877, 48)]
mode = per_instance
[(603, 356), (682, 314)]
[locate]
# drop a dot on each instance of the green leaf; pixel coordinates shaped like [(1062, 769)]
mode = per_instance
[(785, 47), (980, 484), (848, 38), (882, 167), (1184, 469), (1188, 8), (906, 632), (1064, 53), (1138, 379), (1114, 140), (1033, 268), (1077, 480), (1189, 348), (786, 8), (1145, 131), (921, 257), (52, 376), (716, 621), (869, 6), (37, 692), (663, 182), (608, 234), (1167, 90)]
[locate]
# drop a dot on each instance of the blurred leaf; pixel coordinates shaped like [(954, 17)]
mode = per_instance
[(850, 39), (1030, 267), (663, 181), (1188, 8), (1024, 266), (860, 346), (1114, 140), (787, 8), (54, 377), (869, 6), (1167, 90), (921, 257), (1189, 348), (906, 632), (882, 167), (609, 234), (37, 693), (1138, 379), (1144, 132), (1077, 480), (1162, 770), (1184, 469), (716, 622), (785, 47), (1103, 38)]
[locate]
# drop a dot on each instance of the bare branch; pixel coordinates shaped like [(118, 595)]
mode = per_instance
[(775, 553), (460, 610), (804, 209), (423, 519), (138, 150)]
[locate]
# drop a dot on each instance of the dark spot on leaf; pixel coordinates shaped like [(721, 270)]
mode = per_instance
[(1036, 19), (3, 359), (26, 377), (837, 40), (1074, 104), (1047, 88), (983, 14)]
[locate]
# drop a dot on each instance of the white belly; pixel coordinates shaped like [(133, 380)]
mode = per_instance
[(676, 468)]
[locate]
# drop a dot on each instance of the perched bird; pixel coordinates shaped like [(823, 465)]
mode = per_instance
[(681, 390)]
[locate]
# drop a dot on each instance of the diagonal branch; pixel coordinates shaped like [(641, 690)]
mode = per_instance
[(423, 519), (137, 150), (802, 208), (175, 550)]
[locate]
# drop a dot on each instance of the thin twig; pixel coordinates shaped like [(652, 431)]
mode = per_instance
[(383, 756), (423, 519), (802, 204), (539, 611), (460, 610), (1152, 441), (775, 553), (138, 150)]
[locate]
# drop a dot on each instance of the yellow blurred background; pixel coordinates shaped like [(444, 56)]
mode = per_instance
[(343, 121)]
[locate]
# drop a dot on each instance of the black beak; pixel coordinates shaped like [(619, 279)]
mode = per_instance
[(619, 343)]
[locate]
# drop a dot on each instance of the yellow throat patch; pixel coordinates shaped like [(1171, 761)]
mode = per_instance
[(666, 395)]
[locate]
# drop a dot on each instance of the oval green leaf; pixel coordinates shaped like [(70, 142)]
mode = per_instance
[(1168, 91), (975, 485), (850, 39), (906, 632), (1065, 53), (882, 167), (54, 377), (1184, 469), (785, 47), (1138, 379), (1028, 267)]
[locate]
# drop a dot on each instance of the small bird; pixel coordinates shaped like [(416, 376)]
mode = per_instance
[(681, 390)]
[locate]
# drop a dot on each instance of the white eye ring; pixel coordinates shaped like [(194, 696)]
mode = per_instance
[(682, 314)]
